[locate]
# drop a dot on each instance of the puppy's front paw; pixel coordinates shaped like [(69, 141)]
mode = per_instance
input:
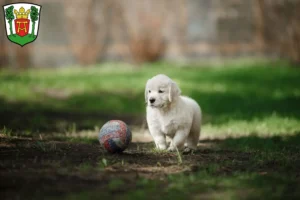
[(171, 149), (162, 147)]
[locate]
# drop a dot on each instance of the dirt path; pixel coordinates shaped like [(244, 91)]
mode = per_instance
[(32, 169)]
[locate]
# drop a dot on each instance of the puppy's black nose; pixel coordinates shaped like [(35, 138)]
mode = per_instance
[(152, 100)]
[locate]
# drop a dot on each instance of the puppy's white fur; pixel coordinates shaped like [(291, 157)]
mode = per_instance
[(170, 114)]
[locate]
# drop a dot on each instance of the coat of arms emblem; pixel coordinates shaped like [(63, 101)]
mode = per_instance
[(22, 22)]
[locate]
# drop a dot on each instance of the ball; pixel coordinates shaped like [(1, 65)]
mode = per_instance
[(115, 136)]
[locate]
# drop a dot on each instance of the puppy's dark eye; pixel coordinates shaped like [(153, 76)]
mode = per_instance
[(160, 91), (149, 91)]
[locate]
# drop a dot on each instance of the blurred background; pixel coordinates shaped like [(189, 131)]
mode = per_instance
[(91, 61), (75, 32)]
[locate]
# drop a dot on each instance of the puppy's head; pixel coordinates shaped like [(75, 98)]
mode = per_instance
[(161, 91)]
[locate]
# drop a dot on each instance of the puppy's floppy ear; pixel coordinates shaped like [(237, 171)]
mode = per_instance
[(174, 91), (146, 92)]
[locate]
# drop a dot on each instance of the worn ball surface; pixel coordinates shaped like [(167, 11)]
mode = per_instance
[(115, 136)]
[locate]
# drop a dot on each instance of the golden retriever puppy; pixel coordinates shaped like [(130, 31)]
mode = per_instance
[(173, 115)]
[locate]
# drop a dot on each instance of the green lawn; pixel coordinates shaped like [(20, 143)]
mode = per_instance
[(257, 98), (249, 145)]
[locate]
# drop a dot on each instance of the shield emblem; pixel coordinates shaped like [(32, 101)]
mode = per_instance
[(22, 26), (22, 22)]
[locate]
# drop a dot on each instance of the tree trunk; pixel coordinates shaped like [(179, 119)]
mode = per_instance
[(260, 25), (32, 31), (10, 28), (93, 38)]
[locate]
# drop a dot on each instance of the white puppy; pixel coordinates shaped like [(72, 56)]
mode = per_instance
[(169, 114)]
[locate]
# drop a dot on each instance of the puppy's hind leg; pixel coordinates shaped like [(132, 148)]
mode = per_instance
[(193, 137), (192, 140)]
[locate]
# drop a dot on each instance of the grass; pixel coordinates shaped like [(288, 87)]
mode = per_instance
[(250, 136), (234, 99), (204, 186), (7, 132)]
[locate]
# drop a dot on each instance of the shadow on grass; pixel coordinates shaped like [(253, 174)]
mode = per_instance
[(248, 93), (85, 111), (227, 106), (267, 144), (224, 95), (90, 110)]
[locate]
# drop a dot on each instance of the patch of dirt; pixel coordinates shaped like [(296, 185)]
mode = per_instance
[(32, 169)]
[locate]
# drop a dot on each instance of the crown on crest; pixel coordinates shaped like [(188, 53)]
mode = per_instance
[(21, 14)]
